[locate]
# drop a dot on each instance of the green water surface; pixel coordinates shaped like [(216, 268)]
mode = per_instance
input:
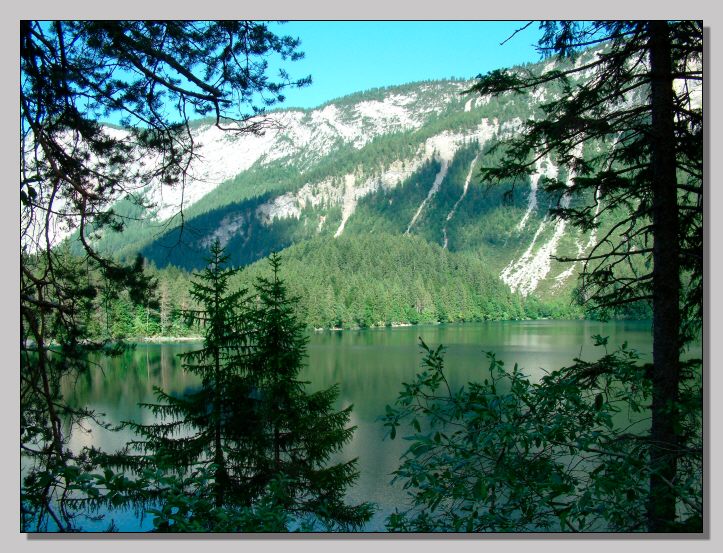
[(369, 366)]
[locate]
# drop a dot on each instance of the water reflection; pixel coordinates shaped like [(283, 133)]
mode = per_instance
[(113, 388), (368, 365)]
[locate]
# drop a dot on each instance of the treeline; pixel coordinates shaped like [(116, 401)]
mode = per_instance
[(379, 93), (348, 282)]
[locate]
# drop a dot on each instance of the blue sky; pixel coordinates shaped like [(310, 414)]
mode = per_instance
[(343, 57)]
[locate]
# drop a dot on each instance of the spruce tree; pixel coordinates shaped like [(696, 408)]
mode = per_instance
[(300, 431), (249, 450), (205, 431), (152, 77), (628, 120)]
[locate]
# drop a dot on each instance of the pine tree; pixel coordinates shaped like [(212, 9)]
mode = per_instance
[(635, 103), (153, 77), (205, 431), (301, 431)]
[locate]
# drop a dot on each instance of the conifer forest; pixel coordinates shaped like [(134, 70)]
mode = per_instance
[(471, 305)]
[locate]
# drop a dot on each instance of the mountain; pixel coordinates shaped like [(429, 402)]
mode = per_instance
[(393, 163)]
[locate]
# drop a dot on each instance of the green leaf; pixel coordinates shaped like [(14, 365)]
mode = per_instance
[(598, 401), (479, 491), (415, 424), (421, 448)]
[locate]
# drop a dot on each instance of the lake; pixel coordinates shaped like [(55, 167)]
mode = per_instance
[(369, 366)]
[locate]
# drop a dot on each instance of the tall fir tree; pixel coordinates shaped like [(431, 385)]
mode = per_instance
[(250, 447), (628, 123), (301, 431), (201, 431)]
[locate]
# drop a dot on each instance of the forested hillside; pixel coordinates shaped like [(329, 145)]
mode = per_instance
[(572, 188), (399, 161), (377, 279)]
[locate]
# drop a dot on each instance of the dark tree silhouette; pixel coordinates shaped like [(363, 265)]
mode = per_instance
[(250, 440), (203, 442), (299, 431), (153, 77), (629, 123)]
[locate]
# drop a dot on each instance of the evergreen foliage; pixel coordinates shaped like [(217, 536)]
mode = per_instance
[(646, 177), (153, 77), (359, 281), (204, 428), (299, 432), (249, 446)]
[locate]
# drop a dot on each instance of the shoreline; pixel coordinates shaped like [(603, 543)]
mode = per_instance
[(199, 338), (159, 339)]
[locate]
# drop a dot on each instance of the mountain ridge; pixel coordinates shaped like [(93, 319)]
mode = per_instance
[(357, 165)]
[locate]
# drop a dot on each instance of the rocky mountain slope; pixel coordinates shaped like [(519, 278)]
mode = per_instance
[(398, 161)]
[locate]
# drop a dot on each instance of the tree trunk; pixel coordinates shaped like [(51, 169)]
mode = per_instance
[(220, 476), (666, 286)]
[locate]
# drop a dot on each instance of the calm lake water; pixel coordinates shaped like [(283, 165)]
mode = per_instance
[(369, 366)]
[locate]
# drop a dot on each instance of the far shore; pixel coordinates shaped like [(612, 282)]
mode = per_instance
[(199, 338), (154, 339)]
